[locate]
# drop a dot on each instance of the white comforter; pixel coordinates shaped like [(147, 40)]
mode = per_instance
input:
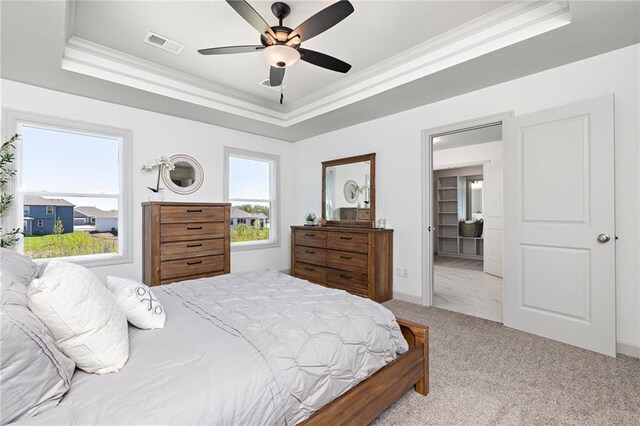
[(244, 349)]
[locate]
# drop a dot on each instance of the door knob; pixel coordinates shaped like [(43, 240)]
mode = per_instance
[(603, 238)]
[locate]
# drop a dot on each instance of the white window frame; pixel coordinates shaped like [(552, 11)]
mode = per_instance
[(14, 121), (48, 210), (26, 210), (40, 223), (274, 196)]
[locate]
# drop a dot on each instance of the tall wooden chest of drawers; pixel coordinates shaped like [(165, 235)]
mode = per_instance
[(183, 241), (357, 260)]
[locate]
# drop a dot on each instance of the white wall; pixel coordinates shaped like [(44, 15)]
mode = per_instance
[(396, 140), (467, 155), (154, 135)]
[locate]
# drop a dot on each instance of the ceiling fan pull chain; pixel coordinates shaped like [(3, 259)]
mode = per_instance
[(281, 94)]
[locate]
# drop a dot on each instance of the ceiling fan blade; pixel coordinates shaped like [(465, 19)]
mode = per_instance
[(323, 20), (250, 15), (324, 61), (276, 75), (230, 49)]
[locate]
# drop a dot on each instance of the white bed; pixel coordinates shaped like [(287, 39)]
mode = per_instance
[(250, 348)]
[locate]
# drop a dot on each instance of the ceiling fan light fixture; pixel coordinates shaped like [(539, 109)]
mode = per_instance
[(281, 56)]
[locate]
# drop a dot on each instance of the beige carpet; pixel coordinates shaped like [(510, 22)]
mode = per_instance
[(483, 373)]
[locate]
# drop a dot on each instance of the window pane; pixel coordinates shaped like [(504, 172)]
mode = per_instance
[(58, 161), (248, 179), (62, 227), (250, 222)]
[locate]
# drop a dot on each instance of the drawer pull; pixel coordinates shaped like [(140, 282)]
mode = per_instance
[(345, 257), (306, 268), (346, 277), (310, 251), (194, 245), (346, 238), (194, 262), (309, 235), (193, 228), (194, 210)]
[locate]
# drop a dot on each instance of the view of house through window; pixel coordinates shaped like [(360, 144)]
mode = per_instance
[(252, 197), (69, 189)]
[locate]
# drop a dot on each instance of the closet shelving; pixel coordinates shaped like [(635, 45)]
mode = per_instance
[(450, 208)]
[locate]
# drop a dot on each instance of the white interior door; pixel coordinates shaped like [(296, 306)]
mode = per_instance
[(559, 236), (493, 224)]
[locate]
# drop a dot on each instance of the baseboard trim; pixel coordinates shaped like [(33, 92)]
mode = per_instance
[(407, 297), (627, 348)]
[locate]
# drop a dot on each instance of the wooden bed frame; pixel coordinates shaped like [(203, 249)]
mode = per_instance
[(369, 398)]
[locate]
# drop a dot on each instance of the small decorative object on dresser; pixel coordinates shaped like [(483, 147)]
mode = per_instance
[(310, 218), (160, 163), (358, 260), (183, 241)]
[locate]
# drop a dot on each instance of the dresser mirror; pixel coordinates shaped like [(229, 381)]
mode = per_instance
[(348, 191), (186, 177)]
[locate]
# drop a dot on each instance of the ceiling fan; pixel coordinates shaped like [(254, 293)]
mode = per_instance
[(281, 45)]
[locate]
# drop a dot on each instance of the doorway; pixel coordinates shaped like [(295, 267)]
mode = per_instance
[(464, 250), (460, 282)]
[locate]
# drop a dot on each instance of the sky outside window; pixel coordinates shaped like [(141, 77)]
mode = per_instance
[(58, 161), (248, 179)]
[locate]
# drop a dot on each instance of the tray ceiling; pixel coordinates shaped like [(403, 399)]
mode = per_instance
[(413, 53), (377, 30), (388, 44)]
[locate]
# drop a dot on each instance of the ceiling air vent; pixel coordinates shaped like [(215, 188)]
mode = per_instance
[(163, 43), (265, 83)]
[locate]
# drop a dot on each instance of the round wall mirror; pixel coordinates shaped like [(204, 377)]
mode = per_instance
[(351, 191), (187, 176)]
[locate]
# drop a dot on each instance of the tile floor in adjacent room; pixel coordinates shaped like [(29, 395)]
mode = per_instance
[(461, 286)]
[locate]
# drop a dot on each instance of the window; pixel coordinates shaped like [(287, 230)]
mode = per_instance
[(252, 189), (64, 166)]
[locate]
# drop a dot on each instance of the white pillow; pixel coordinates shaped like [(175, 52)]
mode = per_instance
[(138, 302), (84, 318)]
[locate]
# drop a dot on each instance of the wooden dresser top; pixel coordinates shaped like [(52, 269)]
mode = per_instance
[(339, 229), (183, 203)]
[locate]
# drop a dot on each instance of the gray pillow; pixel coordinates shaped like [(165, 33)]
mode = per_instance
[(21, 267), (35, 374), (13, 291)]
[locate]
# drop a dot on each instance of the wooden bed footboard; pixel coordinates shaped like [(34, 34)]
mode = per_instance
[(369, 398), (417, 334)]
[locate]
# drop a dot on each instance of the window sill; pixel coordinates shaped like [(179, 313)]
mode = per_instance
[(254, 246), (91, 261)]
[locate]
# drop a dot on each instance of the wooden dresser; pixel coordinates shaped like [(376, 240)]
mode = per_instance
[(183, 241), (358, 260)]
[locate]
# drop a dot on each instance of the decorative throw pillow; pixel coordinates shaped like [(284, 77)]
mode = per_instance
[(82, 315), (35, 374), (138, 302), (21, 267)]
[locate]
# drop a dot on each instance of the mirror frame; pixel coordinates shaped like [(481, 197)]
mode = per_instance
[(371, 158), (197, 181)]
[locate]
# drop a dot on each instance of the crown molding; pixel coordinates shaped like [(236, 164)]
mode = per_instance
[(85, 57), (510, 24)]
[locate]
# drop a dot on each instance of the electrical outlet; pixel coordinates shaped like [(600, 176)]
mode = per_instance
[(398, 271), (405, 272)]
